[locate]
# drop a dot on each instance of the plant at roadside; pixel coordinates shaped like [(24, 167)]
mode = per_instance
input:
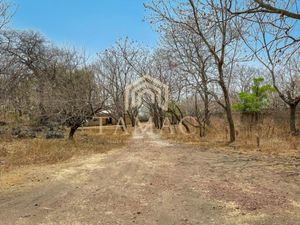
[(254, 102)]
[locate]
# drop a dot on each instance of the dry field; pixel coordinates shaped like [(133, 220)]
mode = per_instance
[(151, 178), (20, 152), (155, 181), (268, 137)]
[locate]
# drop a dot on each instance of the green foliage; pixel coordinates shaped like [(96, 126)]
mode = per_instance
[(256, 100)]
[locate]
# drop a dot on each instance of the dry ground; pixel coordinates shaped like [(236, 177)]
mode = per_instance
[(155, 181), (16, 152)]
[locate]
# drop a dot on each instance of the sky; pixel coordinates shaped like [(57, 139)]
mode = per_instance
[(92, 25)]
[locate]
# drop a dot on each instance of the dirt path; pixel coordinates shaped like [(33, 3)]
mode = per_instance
[(151, 181)]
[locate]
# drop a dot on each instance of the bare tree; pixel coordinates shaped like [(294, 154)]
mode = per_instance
[(287, 8), (193, 62), (48, 84), (269, 39), (30, 52), (5, 14), (114, 73), (163, 69), (5, 62), (73, 93), (280, 15), (212, 24), (76, 94)]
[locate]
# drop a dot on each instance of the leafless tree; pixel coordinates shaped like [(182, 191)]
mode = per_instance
[(29, 51), (270, 41), (114, 73), (193, 63), (5, 14), (162, 68), (212, 24), (287, 8), (48, 84), (5, 62), (280, 15), (76, 95)]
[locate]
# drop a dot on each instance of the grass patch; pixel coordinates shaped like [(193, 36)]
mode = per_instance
[(273, 138), (19, 152)]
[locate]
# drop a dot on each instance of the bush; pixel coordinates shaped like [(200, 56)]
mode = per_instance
[(55, 133), (254, 102), (23, 133)]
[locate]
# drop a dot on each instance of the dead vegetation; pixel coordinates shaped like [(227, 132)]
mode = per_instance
[(19, 152), (268, 136)]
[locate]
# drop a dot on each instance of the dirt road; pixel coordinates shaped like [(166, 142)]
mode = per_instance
[(151, 181)]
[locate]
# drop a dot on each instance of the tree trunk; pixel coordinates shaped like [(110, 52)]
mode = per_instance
[(178, 119), (206, 110), (227, 106), (43, 119), (124, 118), (186, 127), (293, 128), (72, 132), (202, 130), (132, 117), (231, 124)]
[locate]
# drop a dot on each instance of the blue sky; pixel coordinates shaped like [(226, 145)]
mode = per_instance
[(92, 25)]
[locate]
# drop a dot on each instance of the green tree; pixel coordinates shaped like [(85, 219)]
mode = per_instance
[(254, 102)]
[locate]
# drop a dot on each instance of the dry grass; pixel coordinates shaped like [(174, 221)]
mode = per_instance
[(273, 137), (18, 152)]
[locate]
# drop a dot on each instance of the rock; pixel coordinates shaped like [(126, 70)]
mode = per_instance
[(2, 123), (55, 133)]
